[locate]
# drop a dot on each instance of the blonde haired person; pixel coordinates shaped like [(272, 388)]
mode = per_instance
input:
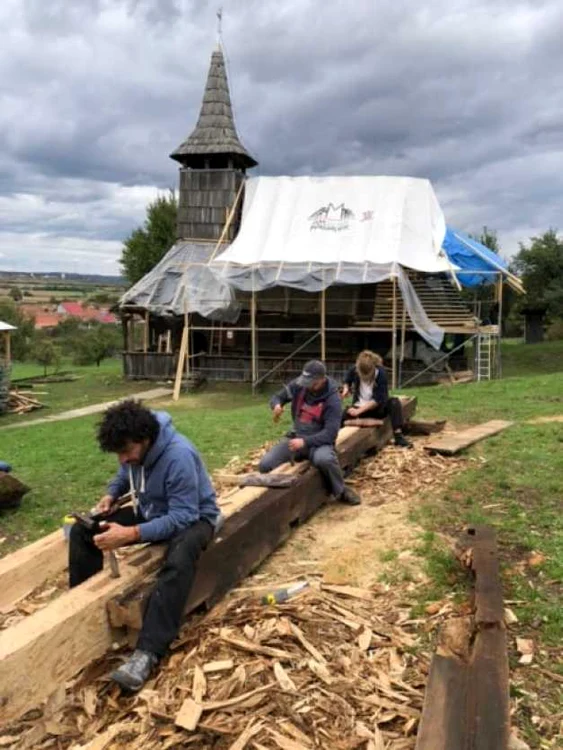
[(367, 382)]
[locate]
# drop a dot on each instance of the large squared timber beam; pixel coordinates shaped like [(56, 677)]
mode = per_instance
[(52, 645), (467, 702), (30, 566)]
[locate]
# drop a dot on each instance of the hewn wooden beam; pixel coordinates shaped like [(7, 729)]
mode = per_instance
[(466, 704), (30, 566)]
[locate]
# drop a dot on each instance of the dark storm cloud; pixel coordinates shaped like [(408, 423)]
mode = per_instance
[(95, 94)]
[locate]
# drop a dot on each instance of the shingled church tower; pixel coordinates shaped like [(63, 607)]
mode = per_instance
[(214, 162)]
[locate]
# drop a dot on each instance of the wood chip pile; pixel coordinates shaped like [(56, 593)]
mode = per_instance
[(401, 474), (332, 668)]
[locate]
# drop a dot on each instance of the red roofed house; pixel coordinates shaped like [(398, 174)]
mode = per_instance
[(84, 313), (46, 320)]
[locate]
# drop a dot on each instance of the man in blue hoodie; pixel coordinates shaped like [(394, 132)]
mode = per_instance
[(173, 501), (316, 410)]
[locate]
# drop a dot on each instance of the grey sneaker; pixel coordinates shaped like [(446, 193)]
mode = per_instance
[(349, 497), (135, 672)]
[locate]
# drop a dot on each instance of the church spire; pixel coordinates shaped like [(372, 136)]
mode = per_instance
[(215, 134)]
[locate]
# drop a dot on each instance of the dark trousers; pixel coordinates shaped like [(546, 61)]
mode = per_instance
[(324, 458), (392, 408), (165, 607)]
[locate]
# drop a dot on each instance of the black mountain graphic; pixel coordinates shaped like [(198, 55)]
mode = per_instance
[(332, 213)]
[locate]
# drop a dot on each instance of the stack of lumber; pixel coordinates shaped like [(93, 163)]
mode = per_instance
[(22, 402), (332, 668)]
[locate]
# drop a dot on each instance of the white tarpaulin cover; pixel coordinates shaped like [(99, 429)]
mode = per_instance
[(335, 220), (312, 232)]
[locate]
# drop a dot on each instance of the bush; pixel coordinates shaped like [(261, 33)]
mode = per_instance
[(555, 330), (46, 353), (97, 344), (16, 294)]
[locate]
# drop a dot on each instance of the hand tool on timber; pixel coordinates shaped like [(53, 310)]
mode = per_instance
[(95, 523), (282, 595), (94, 520)]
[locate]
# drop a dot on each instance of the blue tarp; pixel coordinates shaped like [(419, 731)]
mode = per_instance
[(470, 255)]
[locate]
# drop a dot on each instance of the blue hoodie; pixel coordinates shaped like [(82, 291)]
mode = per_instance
[(172, 485)]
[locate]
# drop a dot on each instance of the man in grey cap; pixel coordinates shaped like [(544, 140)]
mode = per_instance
[(316, 410)]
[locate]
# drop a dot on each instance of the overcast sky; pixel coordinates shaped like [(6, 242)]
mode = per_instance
[(94, 95)]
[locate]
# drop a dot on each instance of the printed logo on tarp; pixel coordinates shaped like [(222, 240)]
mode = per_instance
[(332, 218)]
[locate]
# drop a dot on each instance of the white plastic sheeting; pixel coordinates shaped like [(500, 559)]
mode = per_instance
[(338, 221), (182, 282), (312, 232)]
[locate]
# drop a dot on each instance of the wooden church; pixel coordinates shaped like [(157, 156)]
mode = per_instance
[(268, 335)]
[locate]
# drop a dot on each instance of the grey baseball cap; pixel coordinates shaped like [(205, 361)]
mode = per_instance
[(313, 370)]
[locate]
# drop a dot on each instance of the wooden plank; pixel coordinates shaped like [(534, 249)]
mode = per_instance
[(466, 704), (50, 646), (258, 480), (451, 444), (30, 566), (489, 605), (442, 718), (488, 692), (181, 363)]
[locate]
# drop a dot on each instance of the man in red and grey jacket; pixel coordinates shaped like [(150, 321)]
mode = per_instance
[(316, 410)]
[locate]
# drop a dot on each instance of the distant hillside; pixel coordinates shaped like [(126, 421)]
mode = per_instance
[(75, 278)]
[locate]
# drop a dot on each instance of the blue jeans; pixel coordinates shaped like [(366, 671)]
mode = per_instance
[(324, 458)]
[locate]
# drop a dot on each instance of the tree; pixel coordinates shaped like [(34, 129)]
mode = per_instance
[(16, 294), (484, 293), (97, 344), (66, 334), (23, 337), (488, 237), (146, 245), (46, 353), (541, 267)]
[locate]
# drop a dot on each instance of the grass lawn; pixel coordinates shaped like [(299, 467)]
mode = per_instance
[(516, 485), (95, 385)]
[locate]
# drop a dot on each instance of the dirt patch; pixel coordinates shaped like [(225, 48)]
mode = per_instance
[(357, 545)]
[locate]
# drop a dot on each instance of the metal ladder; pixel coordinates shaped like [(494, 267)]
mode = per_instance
[(487, 350)]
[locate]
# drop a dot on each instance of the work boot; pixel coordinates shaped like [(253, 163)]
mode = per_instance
[(135, 672), (349, 497), (401, 441)]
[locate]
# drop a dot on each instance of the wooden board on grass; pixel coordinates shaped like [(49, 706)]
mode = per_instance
[(449, 445)]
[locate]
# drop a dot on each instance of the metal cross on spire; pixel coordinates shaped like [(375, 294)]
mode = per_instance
[(220, 24)]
